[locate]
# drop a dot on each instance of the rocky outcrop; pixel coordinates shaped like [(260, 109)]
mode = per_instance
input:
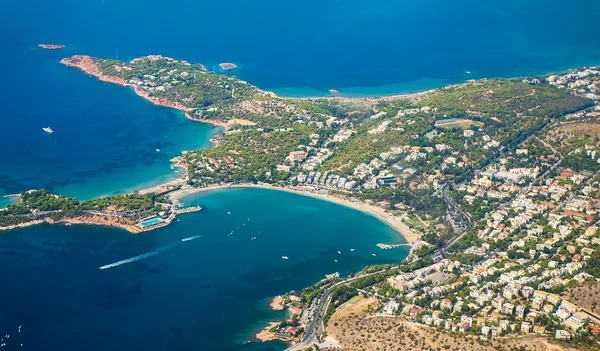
[(89, 66)]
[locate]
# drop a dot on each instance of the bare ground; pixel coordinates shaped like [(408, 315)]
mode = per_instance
[(586, 295), (357, 330)]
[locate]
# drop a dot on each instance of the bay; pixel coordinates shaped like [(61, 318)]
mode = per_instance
[(209, 293)]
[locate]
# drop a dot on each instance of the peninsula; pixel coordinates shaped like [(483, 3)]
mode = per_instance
[(498, 178), (390, 155)]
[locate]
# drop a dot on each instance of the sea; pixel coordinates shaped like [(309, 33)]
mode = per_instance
[(210, 293)]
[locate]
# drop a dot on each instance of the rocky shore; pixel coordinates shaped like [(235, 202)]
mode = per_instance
[(51, 46), (106, 221), (88, 65), (227, 65)]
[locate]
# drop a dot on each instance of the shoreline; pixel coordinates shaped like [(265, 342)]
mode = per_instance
[(86, 64), (394, 222)]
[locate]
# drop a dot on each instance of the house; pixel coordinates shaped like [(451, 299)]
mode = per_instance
[(562, 334), (387, 180), (446, 304), (508, 308), (519, 311), (497, 302), (525, 327), (297, 156)]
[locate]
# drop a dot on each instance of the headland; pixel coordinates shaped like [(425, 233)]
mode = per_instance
[(364, 153)]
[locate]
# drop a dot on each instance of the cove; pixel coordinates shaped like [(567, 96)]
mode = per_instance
[(210, 293)]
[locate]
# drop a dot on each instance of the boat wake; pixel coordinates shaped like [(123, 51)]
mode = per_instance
[(148, 254), (191, 238)]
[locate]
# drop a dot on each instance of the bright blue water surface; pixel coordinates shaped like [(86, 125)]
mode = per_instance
[(210, 293), (105, 137), (150, 222)]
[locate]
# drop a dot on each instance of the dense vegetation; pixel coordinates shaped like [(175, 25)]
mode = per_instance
[(39, 204)]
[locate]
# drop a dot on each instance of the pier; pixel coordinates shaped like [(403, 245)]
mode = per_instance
[(390, 246), (188, 209)]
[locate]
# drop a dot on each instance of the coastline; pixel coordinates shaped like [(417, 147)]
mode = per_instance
[(87, 65), (393, 221)]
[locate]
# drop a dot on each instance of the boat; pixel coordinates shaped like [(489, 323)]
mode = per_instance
[(157, 150), (373, 254), (229, 213), (285, 257), (339, 253), (351, 249), (48, 130)]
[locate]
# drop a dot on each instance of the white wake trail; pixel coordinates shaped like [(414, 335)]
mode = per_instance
[(148, 254)]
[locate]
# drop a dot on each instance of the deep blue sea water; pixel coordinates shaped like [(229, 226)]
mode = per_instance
[(210, 293), (106, 137)]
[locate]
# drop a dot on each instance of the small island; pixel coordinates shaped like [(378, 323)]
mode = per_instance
[(51, 46), (227, 66)]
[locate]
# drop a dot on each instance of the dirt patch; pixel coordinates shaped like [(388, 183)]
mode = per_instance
[(586, 295), (366, 332)]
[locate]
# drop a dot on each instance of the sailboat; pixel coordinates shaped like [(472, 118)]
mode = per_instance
[(48, 130)]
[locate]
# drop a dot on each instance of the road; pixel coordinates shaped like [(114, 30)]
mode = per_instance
[(315, 328)]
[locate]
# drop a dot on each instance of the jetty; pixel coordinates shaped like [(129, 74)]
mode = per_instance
[(390, 246), (188, 209)]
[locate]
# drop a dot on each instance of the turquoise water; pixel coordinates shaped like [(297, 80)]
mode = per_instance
[(105, 137), (150, 222), (209, 293), (6, 201)]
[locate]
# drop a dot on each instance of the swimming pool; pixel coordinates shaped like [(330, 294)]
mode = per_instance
[(151, 221)]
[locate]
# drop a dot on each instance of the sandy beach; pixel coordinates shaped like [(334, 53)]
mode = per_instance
[(275, 303), (393, 221), (87, 65)]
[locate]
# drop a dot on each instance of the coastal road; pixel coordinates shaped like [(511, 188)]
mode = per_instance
[(315, 328)]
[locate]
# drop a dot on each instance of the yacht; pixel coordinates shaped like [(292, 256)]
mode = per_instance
[(48, 130), (285, 257)]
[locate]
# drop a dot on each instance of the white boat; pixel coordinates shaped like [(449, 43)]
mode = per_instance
[(228, 212), (339, 253), (351, 249), (157, 150), (48, 130), (373, 254), (285, 257)]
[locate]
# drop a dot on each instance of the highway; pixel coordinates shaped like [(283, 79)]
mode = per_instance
[(315, 328)]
